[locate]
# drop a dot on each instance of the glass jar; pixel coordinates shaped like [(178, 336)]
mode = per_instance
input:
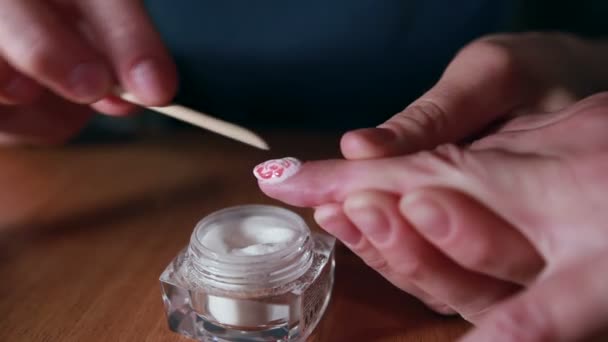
[(250, 273)]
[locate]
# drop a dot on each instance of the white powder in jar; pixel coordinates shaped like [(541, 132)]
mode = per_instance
[(247, 236), (256, 235)]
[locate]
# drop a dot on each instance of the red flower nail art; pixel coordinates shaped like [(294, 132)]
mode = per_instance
[(276, 170)]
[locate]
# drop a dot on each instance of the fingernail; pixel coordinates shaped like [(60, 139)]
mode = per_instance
[(370, 220), (381, 136), (147, 79), (276, 170), (426, 216), (89, 81), (337, 224)]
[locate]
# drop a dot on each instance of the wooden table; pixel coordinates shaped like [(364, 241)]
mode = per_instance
[(86, 230)]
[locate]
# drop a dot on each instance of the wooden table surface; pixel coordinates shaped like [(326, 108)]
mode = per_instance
[(86, 230)]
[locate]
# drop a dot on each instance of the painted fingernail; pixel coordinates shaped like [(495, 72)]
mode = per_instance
[(370, 220), (426, 216), (332, 219), (89, 81), (276, 170)]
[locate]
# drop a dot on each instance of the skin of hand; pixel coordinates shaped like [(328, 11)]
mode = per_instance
[(60, 57), (491, 79), (529, 265)]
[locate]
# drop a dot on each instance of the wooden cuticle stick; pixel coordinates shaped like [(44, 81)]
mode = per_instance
[(202, 120)]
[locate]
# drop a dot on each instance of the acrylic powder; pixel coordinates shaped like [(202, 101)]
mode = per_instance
[(256, 235)]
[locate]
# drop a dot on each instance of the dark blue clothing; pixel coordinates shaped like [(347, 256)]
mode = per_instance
[(343, 63)]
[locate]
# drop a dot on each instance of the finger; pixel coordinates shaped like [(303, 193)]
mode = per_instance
[(483, 82), (112, 105), (32, 124), (471, 235), (409, 258), (507, 183), (525, 134), (571, 305), (15, 88), (141, 61), (321, 182), (332, 219), (37, 42)]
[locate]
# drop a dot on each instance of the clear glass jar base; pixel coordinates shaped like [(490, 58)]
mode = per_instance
[(198, 328), (183, 319)]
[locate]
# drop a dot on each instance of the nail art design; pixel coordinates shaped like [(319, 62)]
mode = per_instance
[(276, 170)]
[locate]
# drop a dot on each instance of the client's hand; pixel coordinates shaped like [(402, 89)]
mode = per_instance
[(542, 180)]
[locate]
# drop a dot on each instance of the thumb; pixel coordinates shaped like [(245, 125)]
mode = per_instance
[(571, 305), (483, 82)]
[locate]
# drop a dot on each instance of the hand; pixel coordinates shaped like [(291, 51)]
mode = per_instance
[(62, 52), (493, 78), (542, 179)]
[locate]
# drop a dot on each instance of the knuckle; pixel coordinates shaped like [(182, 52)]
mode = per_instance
[(424, 117), (449, 154), (445, 159), (495, 55), (522, 323)]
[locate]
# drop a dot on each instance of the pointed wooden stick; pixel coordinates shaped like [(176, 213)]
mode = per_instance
[(202, 120)]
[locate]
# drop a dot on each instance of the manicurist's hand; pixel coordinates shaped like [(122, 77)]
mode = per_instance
[(510, 231), (491, 79), (58, 57)]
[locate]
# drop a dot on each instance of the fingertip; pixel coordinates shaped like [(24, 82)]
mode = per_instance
[(113, 106), (309, 184), (412, 198), (153, 81), (88, 82), (358, 201), (273, 175), (332, 218), (427, 196), (368, 143), (369, 211), (326, 213), (142, 63), (426, 215), (366, 198)]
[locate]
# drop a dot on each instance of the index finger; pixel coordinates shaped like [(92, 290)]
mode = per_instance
[(329, 181), (141, 61)]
